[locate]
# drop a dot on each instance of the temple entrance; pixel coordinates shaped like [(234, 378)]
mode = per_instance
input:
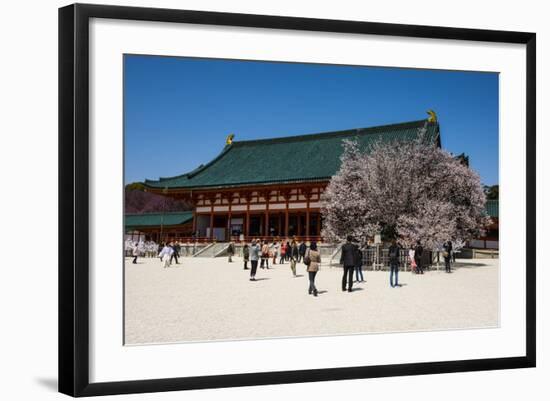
[(292, 225), (260, 225), (219, 229), (276, 225), (314, 224), (256, 227), (202, 225), (236, 226)]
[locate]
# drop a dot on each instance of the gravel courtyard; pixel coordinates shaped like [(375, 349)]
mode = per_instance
[(204, 299)]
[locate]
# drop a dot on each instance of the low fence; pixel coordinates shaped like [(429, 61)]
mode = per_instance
[(483, 244), (378, 259), (248, 239)]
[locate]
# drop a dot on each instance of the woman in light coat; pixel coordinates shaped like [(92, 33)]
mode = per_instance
[(411, 258), (313, 261)]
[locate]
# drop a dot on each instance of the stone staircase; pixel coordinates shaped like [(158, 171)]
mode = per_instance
[(212, 250), (333, 255)]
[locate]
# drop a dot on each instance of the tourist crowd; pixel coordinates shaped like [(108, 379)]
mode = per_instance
[(351, 259), (259, 254)]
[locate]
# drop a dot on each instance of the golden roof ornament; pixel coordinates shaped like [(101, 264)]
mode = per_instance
[(229, 139), (433, 116)]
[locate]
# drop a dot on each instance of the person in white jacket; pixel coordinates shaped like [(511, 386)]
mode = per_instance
[(128, 247), (165, 254)]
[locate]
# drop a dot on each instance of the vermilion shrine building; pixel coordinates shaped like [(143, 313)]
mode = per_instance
[(270, 187)]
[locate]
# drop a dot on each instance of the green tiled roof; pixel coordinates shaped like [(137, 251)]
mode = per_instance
[(155, 219), (311, 157), (491, 206)]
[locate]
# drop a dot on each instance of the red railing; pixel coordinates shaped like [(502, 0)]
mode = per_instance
[(269, 239)]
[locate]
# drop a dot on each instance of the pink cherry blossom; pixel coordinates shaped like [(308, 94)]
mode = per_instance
[(411, 190)]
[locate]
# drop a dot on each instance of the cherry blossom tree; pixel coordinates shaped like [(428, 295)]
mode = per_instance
[(409, 190), (139, 201), (344, 208)]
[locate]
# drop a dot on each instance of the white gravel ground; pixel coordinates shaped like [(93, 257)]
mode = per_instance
[(205, 299)]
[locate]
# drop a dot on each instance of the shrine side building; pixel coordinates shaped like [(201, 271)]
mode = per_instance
[(272, 187)]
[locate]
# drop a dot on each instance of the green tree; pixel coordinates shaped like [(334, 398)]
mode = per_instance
[(491, 191), (135, 186)]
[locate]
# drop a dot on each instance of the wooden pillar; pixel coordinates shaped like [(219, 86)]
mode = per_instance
[(212, 223), (228, 225), (212, 201), (194, 221), (247, 222), (307, 220), (318, 224), (307, 194), (266, 226), (286, 195), (286, 220)]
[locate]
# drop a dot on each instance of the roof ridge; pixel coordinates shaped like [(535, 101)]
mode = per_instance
[(356, 132), (331, 134)]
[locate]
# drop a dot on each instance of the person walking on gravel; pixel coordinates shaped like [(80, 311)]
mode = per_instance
[(312, 259), (348, 260), (231, 251), (294, 256), (254, 257), (246, 256)]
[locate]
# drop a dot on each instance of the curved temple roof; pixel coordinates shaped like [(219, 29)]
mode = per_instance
[(314, 157)]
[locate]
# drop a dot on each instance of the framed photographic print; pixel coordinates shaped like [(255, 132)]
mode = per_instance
[(251, 199)]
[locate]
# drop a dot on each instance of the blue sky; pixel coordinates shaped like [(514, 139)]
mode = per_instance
[(178, 111)]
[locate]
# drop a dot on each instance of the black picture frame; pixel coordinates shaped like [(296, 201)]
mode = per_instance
[(74, 201)]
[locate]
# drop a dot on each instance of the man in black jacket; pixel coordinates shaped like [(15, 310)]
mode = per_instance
[(176, 248), (348, 260), (447, 251), (302, 249), (418, 251), (393, 254)]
